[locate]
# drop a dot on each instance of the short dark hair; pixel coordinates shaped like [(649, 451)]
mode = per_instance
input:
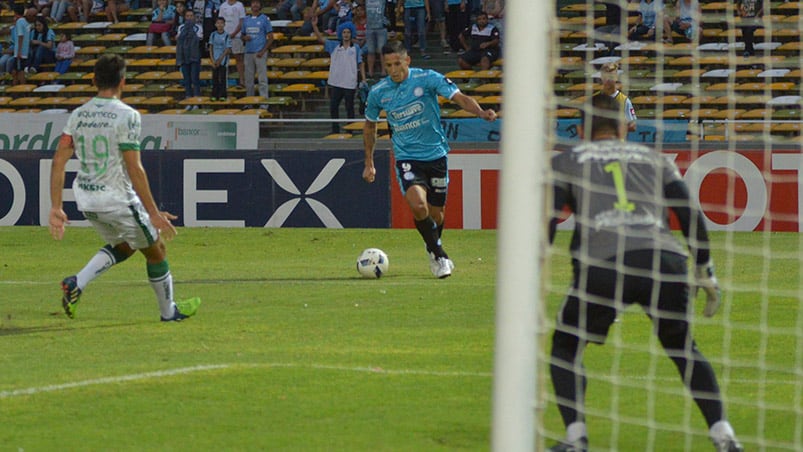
[(606, 114), (109, 71), (394, 46)]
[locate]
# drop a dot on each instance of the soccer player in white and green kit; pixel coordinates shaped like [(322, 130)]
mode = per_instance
[(112, 191)]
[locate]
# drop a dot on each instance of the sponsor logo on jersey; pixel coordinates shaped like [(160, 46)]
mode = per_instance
[(411, 110)]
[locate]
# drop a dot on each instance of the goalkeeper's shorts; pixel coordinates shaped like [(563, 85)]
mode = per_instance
[(599, 292)]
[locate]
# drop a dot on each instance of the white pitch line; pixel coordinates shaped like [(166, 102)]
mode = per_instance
[(381, 371), (109, 380), (201, 368), (359, 369)]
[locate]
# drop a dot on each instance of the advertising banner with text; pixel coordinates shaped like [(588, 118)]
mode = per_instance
[(41, 132), (744, 190), (221, 189), (647, 131)]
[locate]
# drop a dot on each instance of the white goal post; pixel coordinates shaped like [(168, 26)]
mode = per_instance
[(527, 88), (731, 119)]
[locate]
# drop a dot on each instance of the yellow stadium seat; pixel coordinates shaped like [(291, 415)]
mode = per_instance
[(24, 102), (288, 48), (288, 62), (489, 88)]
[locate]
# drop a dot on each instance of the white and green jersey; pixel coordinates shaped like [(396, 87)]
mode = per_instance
[(102, 129)]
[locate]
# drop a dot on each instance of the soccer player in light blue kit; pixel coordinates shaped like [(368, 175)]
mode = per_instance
[(409, 96)]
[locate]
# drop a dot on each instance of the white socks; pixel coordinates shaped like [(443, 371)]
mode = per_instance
[(575, 431), (721, 430), (96, 266), (163, 287)]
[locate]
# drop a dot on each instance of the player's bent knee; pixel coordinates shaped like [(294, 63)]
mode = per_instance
[(673, 333)]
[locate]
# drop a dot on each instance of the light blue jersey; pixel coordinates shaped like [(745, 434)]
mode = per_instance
[(220, 42), (22, 37), (413, 113)]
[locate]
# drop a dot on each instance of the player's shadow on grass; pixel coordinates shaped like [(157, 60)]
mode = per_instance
[(10, 330)]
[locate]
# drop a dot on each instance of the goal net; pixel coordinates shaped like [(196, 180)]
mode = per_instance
[(727, 109)]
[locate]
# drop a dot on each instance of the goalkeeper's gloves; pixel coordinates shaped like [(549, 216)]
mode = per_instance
[(705, 279)]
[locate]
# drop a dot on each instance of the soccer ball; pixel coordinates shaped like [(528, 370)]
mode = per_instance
[(372, 263)]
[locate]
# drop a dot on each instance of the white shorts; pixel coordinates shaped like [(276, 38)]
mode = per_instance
[(131, 224), (237, 46)]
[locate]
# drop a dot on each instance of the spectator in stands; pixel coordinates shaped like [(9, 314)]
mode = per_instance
[(43, 45), (65, 52), (209, 12), (481, 44), (688, 18), (306, 28), (457, 19), (90, 7), (181, 8), (376, 34), (610, 78), (750, 11), (345, 12), (416, 16), (61, 7), (290, 9), (390, 13), (496, 15), (258, 37), (188, 54), (325, 12), (22, 41), (43, 7), (114, 7), (360, 24), (234, 13), (437, 9), (162, 21), (650, 13), (345, 68), (219, 51), (7, 55)]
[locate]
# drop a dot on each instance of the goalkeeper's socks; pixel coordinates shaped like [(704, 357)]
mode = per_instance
[(162, 283), (576, 431), (429, 232), (100, 262), (721, 430)]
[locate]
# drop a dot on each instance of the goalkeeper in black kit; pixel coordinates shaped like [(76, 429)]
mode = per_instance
[(623, 253)]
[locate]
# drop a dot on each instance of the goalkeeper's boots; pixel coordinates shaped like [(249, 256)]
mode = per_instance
[(433, 263), (445, 267), (184, 309), (71, 295), (581, 445), (728, 445)]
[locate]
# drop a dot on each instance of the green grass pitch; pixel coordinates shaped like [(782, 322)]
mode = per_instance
[(292, 350)]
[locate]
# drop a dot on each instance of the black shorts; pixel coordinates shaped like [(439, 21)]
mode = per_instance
[(473, 57), (599, 293), (434, 176)]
